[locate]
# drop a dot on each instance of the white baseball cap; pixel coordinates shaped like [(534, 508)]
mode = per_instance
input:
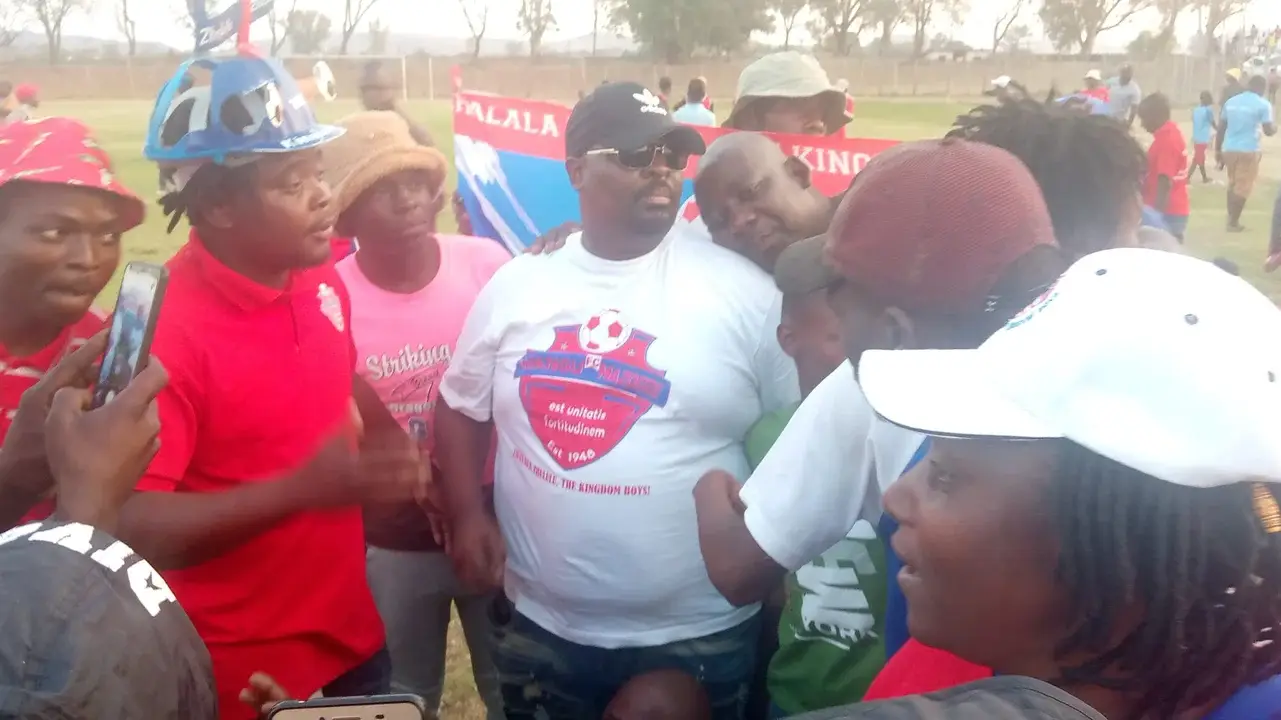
[(1161, 362), (1002, 82), (1094, 75)]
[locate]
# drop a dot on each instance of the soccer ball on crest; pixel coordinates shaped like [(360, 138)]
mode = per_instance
[(604, 333)]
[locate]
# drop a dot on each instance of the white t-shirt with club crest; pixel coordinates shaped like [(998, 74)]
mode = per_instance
[(613, 387)]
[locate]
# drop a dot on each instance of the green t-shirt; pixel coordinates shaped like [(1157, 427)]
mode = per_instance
[(831, 638)]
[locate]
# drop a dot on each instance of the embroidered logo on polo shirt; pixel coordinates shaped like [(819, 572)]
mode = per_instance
[(331, 306), (584, 394)]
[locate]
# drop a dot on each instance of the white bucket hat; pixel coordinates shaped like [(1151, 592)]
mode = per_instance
[(790, 74), (1161, 362)]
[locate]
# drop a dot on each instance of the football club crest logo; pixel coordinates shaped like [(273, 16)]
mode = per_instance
[(1034, 308), (585, 393), (331, 306)]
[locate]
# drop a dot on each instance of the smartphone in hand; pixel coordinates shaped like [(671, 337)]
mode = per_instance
[(133, 324), (374, 707)]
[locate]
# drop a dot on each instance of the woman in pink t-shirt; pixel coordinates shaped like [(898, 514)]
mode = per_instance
[(411, 289)]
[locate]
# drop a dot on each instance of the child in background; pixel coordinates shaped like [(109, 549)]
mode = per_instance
[(1202, 133), (1166, 185)]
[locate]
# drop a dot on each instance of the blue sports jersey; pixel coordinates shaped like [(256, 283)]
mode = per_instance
[(1202, 124)]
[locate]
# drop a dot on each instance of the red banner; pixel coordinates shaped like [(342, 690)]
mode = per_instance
[(536, 127)]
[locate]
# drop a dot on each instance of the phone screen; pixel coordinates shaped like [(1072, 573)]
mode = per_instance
[(132, 326), (386, 707)]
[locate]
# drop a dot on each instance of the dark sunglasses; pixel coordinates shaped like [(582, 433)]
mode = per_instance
[(644, 157)]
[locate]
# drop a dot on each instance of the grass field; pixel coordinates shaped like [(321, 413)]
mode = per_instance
[(121, 125)]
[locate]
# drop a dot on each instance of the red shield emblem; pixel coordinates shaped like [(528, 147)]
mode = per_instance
[(586, 392)]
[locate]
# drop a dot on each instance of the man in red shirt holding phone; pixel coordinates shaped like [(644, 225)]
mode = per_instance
[(62, 212)]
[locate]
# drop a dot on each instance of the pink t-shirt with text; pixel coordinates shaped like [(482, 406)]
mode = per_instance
[(404, 340)]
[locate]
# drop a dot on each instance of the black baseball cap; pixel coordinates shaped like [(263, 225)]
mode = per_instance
[(626, 116), (91, 631)]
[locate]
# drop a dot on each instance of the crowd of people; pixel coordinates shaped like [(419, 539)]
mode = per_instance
[(1245, 115), (969, 440)]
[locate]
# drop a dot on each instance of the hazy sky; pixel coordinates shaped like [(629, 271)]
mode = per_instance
[(575, 19)]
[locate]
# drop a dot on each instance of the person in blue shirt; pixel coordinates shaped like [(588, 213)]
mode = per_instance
[(1202, 134), (694, 112), (1244, 118)]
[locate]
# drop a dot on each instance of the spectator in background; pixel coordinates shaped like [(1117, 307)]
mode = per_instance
[(1245, 117), (1125, 96), (664, 92), (380, 92), (411, 288), (1274, 82), (1095, 88), (706, 102), (62, 213), (788, 92), (1203, 125), (692, 111), (27, 102), (1231, 88), (1166, 187)]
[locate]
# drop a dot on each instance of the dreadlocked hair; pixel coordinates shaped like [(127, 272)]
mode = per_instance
[(1089, 167), (1198, 562), (210, 185)]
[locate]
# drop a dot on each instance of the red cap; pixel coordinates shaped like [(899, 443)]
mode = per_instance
[(933, 225), (61, 151), (26, 93)]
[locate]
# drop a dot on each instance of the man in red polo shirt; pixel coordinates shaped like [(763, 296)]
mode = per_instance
[(62, 212), (251, 508), (1166, 187)]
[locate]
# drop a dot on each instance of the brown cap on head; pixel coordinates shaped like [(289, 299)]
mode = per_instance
[(376, 145), (931, 226)]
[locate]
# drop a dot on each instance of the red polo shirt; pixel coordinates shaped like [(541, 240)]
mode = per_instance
[(1168, 155), (1098, 93), (18, 374), (259, 380)]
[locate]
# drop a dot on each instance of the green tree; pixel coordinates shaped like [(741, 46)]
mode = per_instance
[(309, 29), (786, 13), (1077, 24), (379, 37), (672, 30), (535, 19), (1005, 22), (837, 23), (924, 13), (885, 16)]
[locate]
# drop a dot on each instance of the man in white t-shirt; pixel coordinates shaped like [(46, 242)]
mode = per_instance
[(966, 243), (616, 371)]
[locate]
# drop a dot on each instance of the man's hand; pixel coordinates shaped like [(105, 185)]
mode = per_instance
[(478, 552), (23, 458), (263, 693), (432, 502), (554, 239), (97, 456), (339, 476), (718, 486)]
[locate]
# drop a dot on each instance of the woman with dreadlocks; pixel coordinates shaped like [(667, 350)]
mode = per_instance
[(1099, 506)]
